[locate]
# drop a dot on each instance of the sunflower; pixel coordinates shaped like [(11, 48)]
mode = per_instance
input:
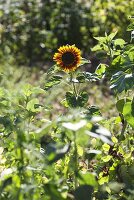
[(68, 58)]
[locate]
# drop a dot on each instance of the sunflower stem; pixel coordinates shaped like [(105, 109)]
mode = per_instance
[(74, 86), (75, 161)]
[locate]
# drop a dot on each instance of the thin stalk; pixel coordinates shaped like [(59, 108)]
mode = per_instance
[(124, 126), (74, 86), (75, 161), (110, 52), (75, 91)]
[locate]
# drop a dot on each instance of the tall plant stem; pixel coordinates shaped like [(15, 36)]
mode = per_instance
[(75, 91), (75, 161), (74, 86), (124, 126), (110, 52)]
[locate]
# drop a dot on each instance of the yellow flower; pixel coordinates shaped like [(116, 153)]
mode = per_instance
[(68, 58)]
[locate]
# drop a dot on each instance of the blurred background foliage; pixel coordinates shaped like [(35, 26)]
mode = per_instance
[(31, 30)]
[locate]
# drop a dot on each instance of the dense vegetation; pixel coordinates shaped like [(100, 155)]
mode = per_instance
[(66, 134), (32, 30)]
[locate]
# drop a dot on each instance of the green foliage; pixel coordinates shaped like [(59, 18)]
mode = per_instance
[(122, 81), (53, 81), (54, 144), (31, 30)]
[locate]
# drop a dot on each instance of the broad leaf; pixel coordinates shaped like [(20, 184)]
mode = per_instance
[(128, 112), (33, 105), (130, 27), (87, 178), (122, 82), (90, 77), (84, 61), (100, 71), (74, 101), (55, 80), (120, 104), (52, 70), (119, 42), (83, 192), (82, 99), (55, 152), (71, 99)]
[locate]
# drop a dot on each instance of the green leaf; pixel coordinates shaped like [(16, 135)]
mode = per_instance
[(33, 105), (101, 39), (74, 126), (112, 35), (122, 82), (96, 48), (87, 179), (71, 99), (119, 42), (105, 147), (130, 27), (106, 158), (55, 152), (80, 77), (120, 104), (79, 101), (2, 92), (27, 90), (90, 154), (84, 61), (116, 187), (55, 80), (101, 54), (128, 112), (5, 183), (82, 99), (90, 77), (83, 192), (100, 132), (100, 71), (52, 70), (92, 111)]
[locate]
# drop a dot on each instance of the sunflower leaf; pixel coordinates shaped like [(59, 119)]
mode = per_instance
[(84, 61), (54, 80), (52, 70)]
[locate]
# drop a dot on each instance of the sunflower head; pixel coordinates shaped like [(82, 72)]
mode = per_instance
[(68, 58)]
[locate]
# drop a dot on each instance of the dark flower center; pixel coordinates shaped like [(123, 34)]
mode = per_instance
[(68, 58)]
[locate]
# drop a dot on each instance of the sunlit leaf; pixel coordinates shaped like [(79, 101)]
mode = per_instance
[(74, 126), (128, 112), (122, 82), (87, 179)]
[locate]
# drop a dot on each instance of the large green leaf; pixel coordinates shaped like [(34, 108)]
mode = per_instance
[(54, 80), (71, 99), (87, 178), (100, 71), (82, 99), (74, 101), (128, 112), (33, 105), (90, 77), (87, 76), (130, 27), (120, 104), (83, 192), (55, 152), (122, 81)]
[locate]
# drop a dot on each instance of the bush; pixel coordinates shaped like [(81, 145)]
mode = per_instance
[(31, 30)]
